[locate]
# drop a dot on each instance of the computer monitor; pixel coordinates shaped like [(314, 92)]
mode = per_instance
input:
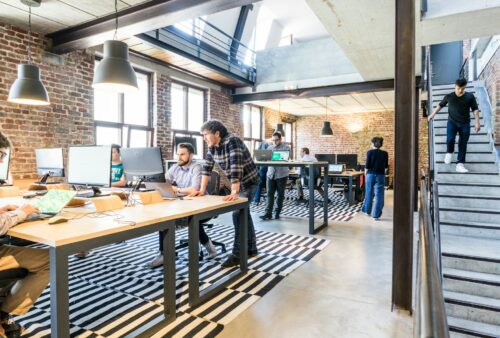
[(4, 168), (143, 163), (49, 162), (330, 158), (350, 160), (90, 166)]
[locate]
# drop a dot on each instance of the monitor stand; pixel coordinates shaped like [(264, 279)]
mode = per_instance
[(44, 178), (96, 192), (3, 183)]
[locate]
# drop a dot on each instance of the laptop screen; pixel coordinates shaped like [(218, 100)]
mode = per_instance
[(335, 168), (281, 155), (54, 201)]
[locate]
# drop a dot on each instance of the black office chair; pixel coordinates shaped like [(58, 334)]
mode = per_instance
[(304, 177), (7, 279), (213, 188)]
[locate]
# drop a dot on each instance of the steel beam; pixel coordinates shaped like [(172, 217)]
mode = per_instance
[(238, 32), (404, 155), (135, 20)]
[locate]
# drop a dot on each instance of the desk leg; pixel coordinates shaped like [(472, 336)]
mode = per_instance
[(59, 293), (311, 199), (169, 277), (326, 181), (350, 195), (194, 267), (243, 218)]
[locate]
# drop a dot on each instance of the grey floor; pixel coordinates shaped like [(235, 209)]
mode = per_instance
[(345, 291)]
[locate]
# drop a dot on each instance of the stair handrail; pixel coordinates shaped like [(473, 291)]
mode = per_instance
[(437, 226), (464, 70), (430, 317)]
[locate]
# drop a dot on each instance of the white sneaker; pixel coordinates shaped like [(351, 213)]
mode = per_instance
[(212, 252), (158, 261), (461, 169), (447, 158)]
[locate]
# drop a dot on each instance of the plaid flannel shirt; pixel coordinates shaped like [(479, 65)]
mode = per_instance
[(234, 159)]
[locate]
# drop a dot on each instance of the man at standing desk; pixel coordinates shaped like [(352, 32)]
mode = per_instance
[(276, 182), (23, 294), (231, 154)]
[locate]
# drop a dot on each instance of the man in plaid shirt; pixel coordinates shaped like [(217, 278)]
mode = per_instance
[(231, 154)]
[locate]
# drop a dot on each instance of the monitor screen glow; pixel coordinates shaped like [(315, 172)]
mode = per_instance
[(4, 167), (89, 165)]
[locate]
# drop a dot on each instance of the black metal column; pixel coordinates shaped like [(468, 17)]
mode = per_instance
[(416, 179), (404, 153)]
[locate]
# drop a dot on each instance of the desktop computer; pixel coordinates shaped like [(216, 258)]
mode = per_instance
[(90, 166), (144, 164), (49, 162), (4, 169), (350, 160)]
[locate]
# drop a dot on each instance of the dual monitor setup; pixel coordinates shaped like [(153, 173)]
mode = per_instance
[(90, 166)]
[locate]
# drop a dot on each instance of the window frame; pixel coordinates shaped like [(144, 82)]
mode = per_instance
[(190, 133), (251, 139), (290, 144), (121, 109)]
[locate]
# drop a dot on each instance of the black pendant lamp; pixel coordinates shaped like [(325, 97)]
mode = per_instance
[(326, 131), (114, 72), (279, 127), (28, 87)]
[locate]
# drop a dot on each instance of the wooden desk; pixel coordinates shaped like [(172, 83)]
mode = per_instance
[(351, 175), (85, 232), (311, 166)]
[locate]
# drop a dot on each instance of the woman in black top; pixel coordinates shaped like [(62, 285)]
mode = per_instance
[(376, 162)]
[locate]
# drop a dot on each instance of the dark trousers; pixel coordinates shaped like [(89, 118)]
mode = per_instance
[(202, 234), (463, 131), (252, 240), (275, 185)]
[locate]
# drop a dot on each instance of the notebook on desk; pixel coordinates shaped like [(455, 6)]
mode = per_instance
[(281, 155), (51, 204), (164, 188), (262, 155)]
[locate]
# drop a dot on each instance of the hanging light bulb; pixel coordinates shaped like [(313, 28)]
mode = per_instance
[(326, 131), (279, 126), (114, 72), (28, 87)]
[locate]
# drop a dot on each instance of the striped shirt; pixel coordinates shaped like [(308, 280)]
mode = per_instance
[(234, 159), (187, 176), (9, 219)]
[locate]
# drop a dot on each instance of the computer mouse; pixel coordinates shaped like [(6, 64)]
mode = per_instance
[(57, 220)]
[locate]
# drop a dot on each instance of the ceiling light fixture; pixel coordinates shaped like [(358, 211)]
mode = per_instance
[(326, 131), (279, 126), (28, 87), (114, 72)]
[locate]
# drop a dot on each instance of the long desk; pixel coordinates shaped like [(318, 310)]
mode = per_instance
[(311, 166), (84, 232), (350, 175)]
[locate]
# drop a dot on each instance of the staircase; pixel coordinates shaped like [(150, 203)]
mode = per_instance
[(469, 212)]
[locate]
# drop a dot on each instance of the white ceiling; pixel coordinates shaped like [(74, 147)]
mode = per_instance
[(337, 104), (54, 15)]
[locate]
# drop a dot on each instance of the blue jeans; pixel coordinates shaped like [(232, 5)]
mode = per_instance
[(252, 240), (463, 131), (374, 187), (261, 184)]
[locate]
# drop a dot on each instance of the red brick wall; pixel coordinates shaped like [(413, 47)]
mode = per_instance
[(67, 120), (491, 77), (162, 112), (221, 108)]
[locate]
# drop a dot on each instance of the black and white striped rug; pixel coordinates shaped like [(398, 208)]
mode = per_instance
[(338, 208), (112, 292)]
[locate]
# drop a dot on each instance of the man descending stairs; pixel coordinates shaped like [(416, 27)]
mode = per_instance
[(469, 212)]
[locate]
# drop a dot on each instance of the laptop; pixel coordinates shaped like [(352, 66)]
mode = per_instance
[(281, 155), (52, 203), (336, 168), (263, 154), (164, 188)]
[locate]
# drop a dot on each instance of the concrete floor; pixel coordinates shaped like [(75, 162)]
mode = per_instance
[(344, 291)]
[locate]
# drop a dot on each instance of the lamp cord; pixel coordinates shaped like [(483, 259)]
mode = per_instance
[(116, 20), (29, 36)]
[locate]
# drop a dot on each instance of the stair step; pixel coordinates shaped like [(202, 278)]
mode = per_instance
[(471, 147), (472, 283), (469, 214), (474, 262), (470, 229), (468, 201), (461, 188), (470, 328), (442, 122), (474, 137), (480, 168), (451, 86), (471, 307), (440, 128), (476, 178), (477, 248)]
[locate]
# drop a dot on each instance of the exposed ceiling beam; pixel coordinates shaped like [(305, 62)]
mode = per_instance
[(240, 27), (349, 88), (135, 20)]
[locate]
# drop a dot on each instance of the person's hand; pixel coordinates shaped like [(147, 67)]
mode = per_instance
[(175, 189), (8, 207), (430, 117), (196, 193), (231, 197), (477, 128), (29, 209)]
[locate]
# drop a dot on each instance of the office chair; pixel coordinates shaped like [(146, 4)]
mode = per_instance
[(213, 188), (7, 280), (317, 182)]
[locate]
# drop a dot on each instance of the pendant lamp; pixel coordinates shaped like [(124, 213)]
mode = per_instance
[(326, 131), (279, 126), (28, 87), (114, 72)]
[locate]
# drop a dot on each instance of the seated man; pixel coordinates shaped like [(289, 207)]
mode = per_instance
[(23, 294), (305, 157), (186, 178)]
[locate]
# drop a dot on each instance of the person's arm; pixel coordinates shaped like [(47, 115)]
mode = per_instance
[(475, 109), (13, 215), (441, 104), (367, 162), (121, 183), (236, 171)]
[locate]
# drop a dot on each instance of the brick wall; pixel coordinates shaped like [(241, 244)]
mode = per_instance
[(272, 118), (162, 113), (491, 76), (221, 108), (66, 121)]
